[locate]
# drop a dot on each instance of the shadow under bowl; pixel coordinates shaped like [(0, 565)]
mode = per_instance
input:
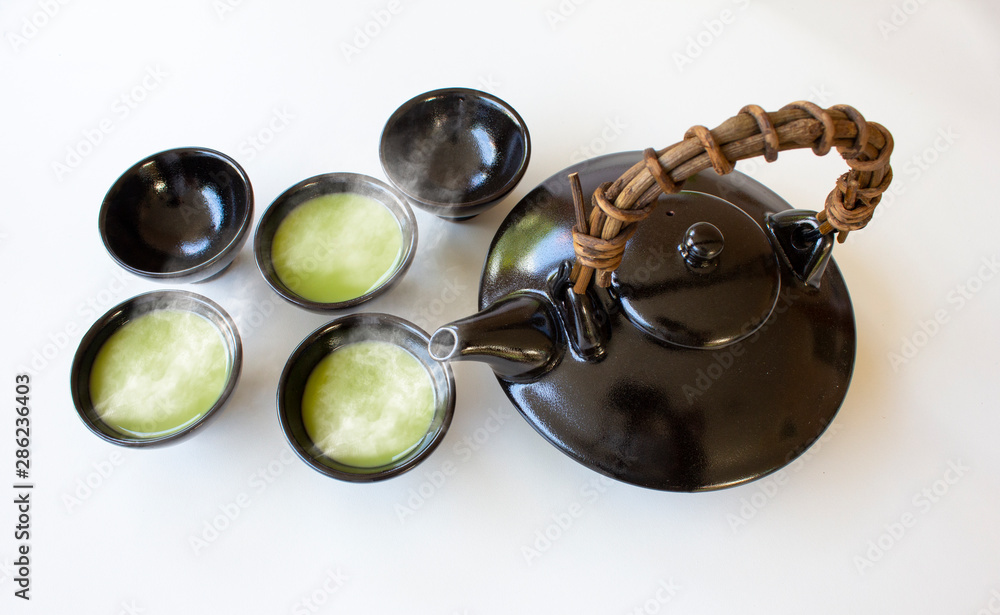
[(122, 314), (455, 152), (181, 215), (329, 184), (333, 336)]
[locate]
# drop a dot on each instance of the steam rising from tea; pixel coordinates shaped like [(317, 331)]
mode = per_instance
[(336, 247), (368, 404), (159, 373)]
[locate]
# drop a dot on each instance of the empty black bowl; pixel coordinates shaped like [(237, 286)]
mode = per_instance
[(455, 152), (327, 339), (181, 215)]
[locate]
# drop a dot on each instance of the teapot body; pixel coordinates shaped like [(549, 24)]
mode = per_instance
[(667, 415)]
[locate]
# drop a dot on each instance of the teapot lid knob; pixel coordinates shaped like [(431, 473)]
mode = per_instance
[(702, 244), (694, 283)]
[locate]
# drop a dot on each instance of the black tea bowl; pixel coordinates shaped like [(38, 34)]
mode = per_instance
[(332, 184), (113, 321), (455, 152), (178, 216), (327, 339)]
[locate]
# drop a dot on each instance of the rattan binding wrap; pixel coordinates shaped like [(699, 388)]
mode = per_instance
[(619, 206)]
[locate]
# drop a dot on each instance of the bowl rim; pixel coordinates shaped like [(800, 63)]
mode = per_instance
[(403, 215), (364, 321), (498, 102), (238, 239), (121, 314)]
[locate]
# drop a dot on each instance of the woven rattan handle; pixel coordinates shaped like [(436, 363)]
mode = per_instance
[(618, 206)]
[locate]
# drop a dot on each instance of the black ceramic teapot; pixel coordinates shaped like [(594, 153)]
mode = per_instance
[(692, 332)]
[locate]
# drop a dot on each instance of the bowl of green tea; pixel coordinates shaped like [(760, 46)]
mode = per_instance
[(156, 368), (361, 399), (335, 240)]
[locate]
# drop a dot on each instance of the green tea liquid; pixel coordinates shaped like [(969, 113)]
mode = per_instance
[(159, 373), (336, 247), (368, 404)]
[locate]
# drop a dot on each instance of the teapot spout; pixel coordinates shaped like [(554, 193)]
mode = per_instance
[(518, 337)]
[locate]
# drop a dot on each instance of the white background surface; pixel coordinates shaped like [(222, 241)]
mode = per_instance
[(112, 529)]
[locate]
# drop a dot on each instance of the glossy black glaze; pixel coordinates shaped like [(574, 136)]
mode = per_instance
[(129, 310), (333, 335), (181, 215), (333, 183), (484, 337), (693, 301), (702, 245), (585, 317), (659, 415), (455, 152), (804, 249)]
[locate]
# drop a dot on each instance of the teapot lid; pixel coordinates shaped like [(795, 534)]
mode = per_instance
[(699, 273)]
